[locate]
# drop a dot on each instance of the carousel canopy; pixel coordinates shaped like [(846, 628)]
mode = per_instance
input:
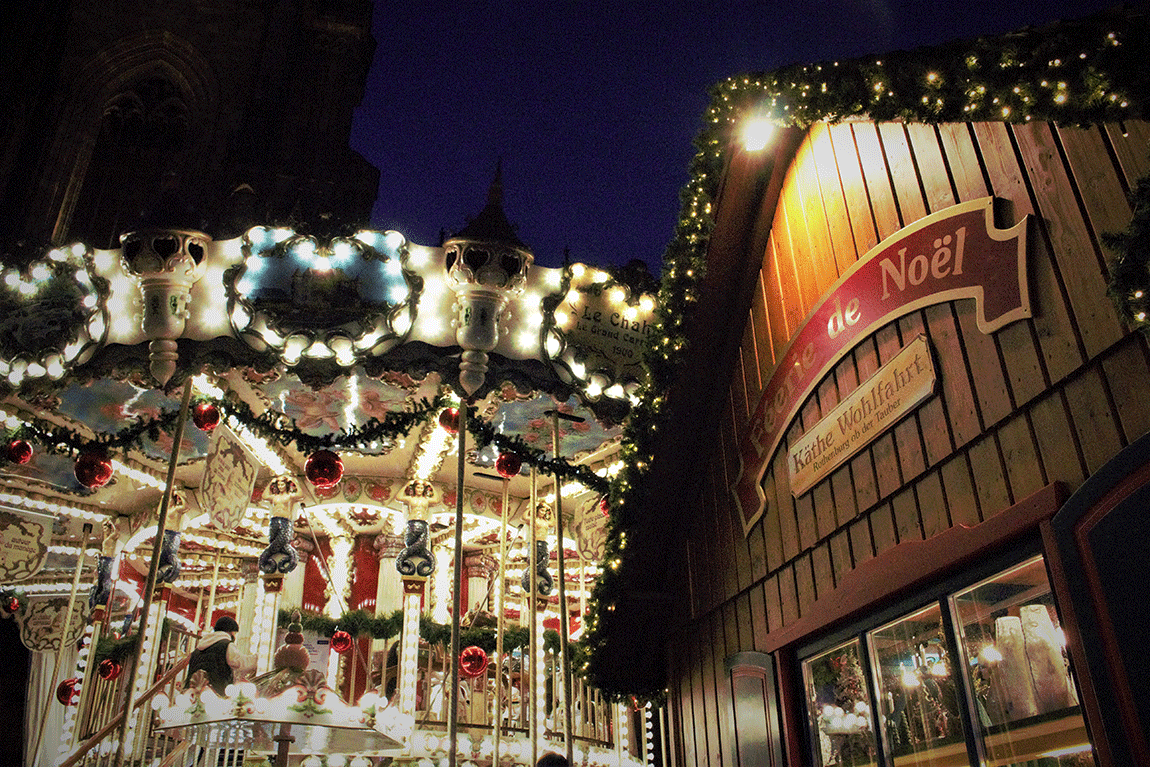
[(331, 362)]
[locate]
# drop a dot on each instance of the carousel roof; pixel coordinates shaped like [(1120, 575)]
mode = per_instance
[(301, 344)]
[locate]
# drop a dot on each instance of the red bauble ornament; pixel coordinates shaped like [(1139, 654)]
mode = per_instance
[(206, 416), (13, 605), (604, 506), (449, 420), (508, 465), (472, 662), (323, 469), (19, 452), (93, 468), (341, 641), (109, 669), (67, 692)]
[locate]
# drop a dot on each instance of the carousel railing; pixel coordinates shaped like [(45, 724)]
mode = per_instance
[(102, 715), (99, 750), (592, 717)]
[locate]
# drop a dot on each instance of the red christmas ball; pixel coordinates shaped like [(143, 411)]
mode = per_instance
[(93, 468), (508, 465), (206, 416), (13, 604), (472, 662), (67, 692), (449, 420), (604, 506), (323, 469), (341, 641), (109, 669), (18, 452)]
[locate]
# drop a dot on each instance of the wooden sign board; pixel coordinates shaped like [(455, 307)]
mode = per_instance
[(880, 402)]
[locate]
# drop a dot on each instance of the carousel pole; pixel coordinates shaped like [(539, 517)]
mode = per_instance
[(457, 578), (564, 627), (501, 606), (207, 616), (150, 584), (532, 603), (63, 638)]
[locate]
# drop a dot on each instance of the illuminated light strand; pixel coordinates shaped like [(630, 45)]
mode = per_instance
[(36, 504), (68, 727), (139, 475), (72, 550), (50, 587)]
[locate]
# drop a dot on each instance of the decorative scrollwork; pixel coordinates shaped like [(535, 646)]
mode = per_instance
[(415, 559), (102, 587), (169, 567), (279, 556), (543, 580)]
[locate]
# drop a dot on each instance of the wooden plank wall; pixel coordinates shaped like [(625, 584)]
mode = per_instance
[(1046, 399)]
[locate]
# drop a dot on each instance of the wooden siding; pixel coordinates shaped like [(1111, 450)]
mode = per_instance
[(1044, 400)]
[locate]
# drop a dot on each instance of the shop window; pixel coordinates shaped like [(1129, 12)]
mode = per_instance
[(918, 698), (842, 725), (1018, 675), (977, 676)]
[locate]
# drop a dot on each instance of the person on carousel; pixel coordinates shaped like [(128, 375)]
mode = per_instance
[(218, 657)]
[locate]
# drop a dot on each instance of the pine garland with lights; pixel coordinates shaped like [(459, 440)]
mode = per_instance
[(485, 434), (360, 623), (279, 429), (1130, 268), (1081, 73)]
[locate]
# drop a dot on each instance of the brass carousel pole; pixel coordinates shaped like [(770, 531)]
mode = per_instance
[(564, 628), (533, 603), (63, 639), (212, 593), (501, 572), (457, 579), (150, 584)]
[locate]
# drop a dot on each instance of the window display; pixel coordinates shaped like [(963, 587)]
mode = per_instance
[(978, 676), (840, 707), (1018, 674), (919, 702)]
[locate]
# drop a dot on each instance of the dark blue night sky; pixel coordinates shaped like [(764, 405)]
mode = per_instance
[(592, 106)]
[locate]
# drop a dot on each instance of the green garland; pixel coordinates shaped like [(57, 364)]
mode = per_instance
[(1130, 268), (485, 435), (360, 623), (1082, 72), (6, 595), (279, 429)]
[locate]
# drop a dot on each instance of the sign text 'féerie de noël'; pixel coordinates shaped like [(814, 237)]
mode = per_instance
[(954, 254)]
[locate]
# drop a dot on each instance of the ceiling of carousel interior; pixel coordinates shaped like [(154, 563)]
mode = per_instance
[(303, 344)]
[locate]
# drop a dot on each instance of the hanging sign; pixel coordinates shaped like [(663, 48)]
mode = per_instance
[(42, 621), (598, 334), (24, 538), (954, 254), (591, 531), (896, 389), (229, 478)]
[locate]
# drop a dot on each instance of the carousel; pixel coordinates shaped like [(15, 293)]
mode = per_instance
[(386, 461)]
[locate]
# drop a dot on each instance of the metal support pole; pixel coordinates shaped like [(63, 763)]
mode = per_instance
[(150, 584), (501, 606), (564, 627), (453, 713), (532, 612), (64, 639), (212, 592)]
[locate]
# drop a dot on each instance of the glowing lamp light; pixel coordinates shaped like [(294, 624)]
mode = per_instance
[(757, 133)]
